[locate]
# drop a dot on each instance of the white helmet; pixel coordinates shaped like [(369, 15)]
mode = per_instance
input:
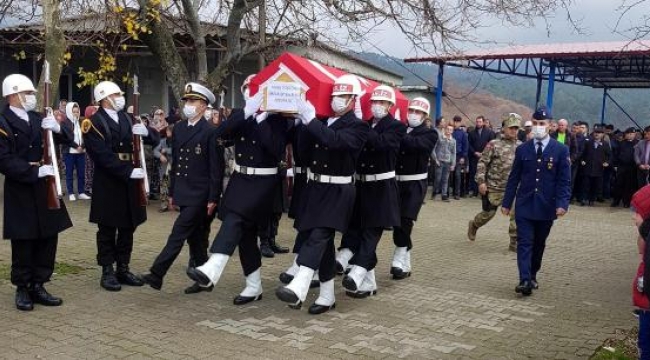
[(16, 83), (420, 104), (346, 85), (383, 93), (106, 88)]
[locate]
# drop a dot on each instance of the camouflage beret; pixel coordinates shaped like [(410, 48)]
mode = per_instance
[(511, 120)]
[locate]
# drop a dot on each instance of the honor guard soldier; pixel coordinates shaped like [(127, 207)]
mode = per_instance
[(195, 184), (115, 207), (541, 181), (412, 173), (492, 176), (247, 203), (329, 194), (377, 205), (31, 226)]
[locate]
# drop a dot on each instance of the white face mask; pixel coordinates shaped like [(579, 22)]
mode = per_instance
[(189, 111), (539, 132), (339, 104), (208, 114), (29, 103), (415, 120), (379, 111), (118, 103)]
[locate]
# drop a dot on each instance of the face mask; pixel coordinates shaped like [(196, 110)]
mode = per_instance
[(415, 120), (379, 111), (189, 111), (29, 103), (208, 114), (539, 132), (339, 104), (117, 103)]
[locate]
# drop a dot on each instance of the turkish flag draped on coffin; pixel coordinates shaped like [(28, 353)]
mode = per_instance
[(316, 81)]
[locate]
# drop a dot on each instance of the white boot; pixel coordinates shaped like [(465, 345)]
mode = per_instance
[(293, 269), (253, 289), (326, 300), (354, 278), (213, 268), (407, 262), (398, 258), (296, 291), (367, 288), (343, 258)]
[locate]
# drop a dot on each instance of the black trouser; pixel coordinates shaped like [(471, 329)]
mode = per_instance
[(626, 184), (642, 178), (270, 231), (203, 242), (473, 167), (32, 260), (190, 226), (114, 245), (402, 234), (318, 252), (301, 237), (592, 188), (363, 243), (236, 231)]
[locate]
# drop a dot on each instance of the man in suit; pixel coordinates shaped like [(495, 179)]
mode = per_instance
[(412, 171), (332, 148), (377, 202), (247, 204), (642, 158), (195, 184), (477, 139), (114, 207), (595, 158), (626, 181), (541, 181), (29, 224), (462, 148)]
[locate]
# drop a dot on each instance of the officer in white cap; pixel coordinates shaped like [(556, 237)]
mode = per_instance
[(32, 228), (195, 185), (114, 207)]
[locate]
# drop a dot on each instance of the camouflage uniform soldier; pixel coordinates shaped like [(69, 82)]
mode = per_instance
[(492, 176)]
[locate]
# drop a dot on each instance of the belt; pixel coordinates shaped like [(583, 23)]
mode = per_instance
[(300, 170), (412, 177), (255, 171), (328, 179), (375, 177), (125, 156)]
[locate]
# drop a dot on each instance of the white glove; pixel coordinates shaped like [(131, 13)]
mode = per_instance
[(253, 104), (261, 117), (137, 173), (306, 111), (50, 123), (45, 170), (139, 129)]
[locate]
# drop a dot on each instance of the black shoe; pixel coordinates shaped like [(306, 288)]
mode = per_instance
[(456, 197), (582, 203), (600, 200), (285, 278), (276, 248), (242, 300), (399, 274), (534, 284), (126, 277), (196, 288), (360, 294), (198, 276), (23, 299), (524, 288), (316, 309), (445, 198), (288, 296), (39, 295), (615, 204), (339, 269), (266, 250), (108, 280), (152, 280), (349, 284)]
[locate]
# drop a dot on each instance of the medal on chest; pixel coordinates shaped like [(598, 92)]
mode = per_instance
[(550, 163), (197, 149)]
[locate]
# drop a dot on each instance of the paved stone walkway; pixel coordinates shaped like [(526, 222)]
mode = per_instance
[(459, 303)]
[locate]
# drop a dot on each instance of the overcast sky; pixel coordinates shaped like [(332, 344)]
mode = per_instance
[(597, 20)]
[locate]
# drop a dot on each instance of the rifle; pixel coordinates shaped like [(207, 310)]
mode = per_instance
[(138, 149), (53, 183)]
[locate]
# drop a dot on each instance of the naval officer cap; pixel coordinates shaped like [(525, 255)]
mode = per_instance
[(196, 91), (541, 114)]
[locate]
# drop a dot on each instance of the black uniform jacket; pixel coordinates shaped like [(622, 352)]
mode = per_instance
[(332, 151), (300, 153), (196, 177), (594, 158), (115, 195), (259, 146), (414, 153), (377, 203), (26, 215)]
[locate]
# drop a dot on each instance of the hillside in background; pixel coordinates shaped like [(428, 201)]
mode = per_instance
[(492, 94)]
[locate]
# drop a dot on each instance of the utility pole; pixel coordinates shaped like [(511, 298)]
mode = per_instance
[(262, 31)]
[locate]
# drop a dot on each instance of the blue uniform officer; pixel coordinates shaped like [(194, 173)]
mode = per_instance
[(541, 181)]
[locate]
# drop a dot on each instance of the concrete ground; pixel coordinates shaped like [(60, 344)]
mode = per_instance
[(459, 303)]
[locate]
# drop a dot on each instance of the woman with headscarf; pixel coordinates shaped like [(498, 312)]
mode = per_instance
[(74, 154)]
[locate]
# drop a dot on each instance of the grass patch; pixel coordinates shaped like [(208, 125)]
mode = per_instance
[(60, 268), (623, 346)]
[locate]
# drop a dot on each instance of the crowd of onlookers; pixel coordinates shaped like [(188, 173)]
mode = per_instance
[(607, 164)]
